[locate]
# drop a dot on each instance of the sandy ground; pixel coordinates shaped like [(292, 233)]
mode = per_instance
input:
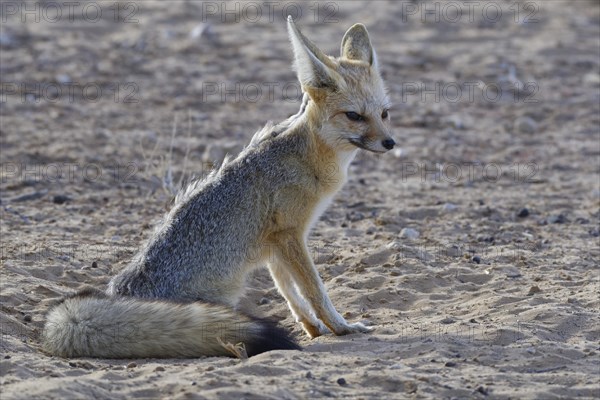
[(472, 295)]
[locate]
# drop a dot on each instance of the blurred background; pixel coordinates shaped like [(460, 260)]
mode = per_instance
[(122, 84)]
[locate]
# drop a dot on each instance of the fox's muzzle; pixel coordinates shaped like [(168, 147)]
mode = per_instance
[(388, 143)]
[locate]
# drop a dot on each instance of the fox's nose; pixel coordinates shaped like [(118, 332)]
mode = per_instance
[(388, 143)]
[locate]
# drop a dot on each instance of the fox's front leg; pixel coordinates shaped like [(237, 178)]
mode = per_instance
[(294, 253), (301, 310)]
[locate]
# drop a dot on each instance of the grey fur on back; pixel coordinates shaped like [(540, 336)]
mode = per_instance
[(199, 249)]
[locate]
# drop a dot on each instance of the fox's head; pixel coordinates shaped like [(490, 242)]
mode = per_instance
[(349, 94)]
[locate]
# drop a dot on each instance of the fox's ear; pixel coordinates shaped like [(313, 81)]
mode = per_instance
[(356, 45), (313, 67)]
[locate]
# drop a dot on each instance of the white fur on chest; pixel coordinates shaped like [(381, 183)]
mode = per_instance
[(341, 175)]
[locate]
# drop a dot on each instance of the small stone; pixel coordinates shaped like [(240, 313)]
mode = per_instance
[(6, 357), (309, 375), (342, 382), (512, 272), (523, 213), (94, 264), (131, 365), (450, 364), (482, 390), (448, 207), (194, 383), (533, 290), (395, 245), (531, 350), (85, 365), (591, 78), (159, 369), (526, 125), (27, 318), (557, 219), (8, 40), (63, 79), (476, 259), (455, 122), (60, 199), (409, 233)]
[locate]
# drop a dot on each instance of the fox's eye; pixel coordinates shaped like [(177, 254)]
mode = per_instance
[(352, 116), (384, 114)]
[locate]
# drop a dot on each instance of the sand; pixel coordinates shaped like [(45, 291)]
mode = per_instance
[(473, 247)]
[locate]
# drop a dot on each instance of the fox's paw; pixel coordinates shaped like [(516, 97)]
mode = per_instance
[(315, 329), (356, 327)]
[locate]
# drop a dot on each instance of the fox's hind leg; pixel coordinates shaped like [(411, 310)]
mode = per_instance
[(301, 310)]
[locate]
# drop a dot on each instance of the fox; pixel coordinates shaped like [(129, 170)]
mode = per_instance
[(178, 296)]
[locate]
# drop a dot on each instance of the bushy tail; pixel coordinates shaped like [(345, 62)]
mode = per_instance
[(91, 324)]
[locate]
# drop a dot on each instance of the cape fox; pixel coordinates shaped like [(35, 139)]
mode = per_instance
[(177, 297)]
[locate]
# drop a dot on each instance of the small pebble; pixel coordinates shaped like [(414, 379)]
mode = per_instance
[(409, 233), (6, 357), (159, 369), (341, 382), (533, 290), (27, 318), (60, 199), (194, 383), (395, 245), (456, 122), (476, 259), (482, 390), (449, 207), (450, 364), (309, 375), (512, 272), (523, 213), (131, 365), (557, 219), (63, 79), (94, 264), (526, 125)]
